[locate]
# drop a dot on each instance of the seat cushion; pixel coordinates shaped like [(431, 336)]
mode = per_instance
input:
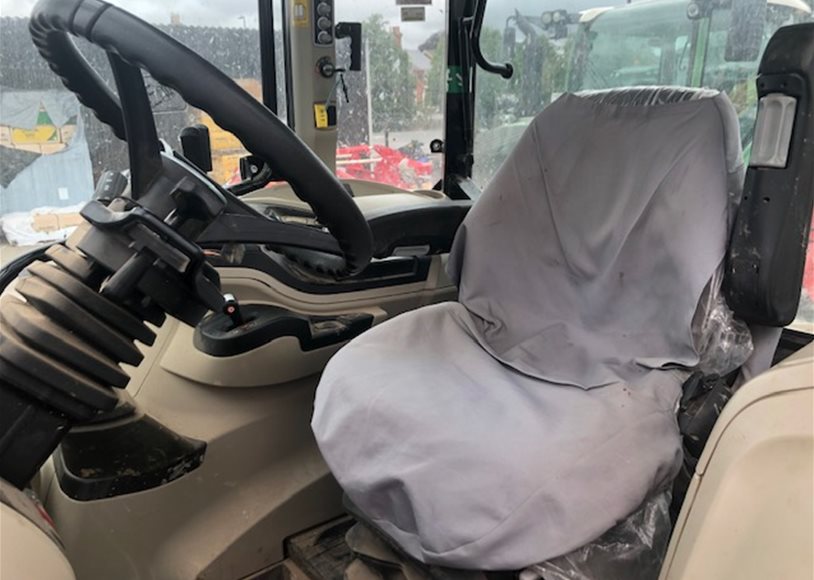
[(468, 463)]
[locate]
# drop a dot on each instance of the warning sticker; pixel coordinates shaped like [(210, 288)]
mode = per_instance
[(300, 13), (320, 116), (413, 14), (455, 80)]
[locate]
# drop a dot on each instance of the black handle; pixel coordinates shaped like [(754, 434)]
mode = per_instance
[(505, 70), (197, 147), (217, 334)]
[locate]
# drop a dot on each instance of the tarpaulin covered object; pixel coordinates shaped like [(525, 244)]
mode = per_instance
[(31, 178)]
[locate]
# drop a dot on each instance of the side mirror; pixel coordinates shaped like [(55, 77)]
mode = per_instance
[(352, 30), (745, 37)]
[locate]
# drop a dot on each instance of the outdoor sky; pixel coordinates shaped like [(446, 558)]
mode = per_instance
[(244, 12)]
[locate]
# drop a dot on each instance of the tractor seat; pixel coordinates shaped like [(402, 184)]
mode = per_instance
[(536, 413)]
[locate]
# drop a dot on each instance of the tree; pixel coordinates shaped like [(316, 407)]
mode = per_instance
[(392, 84)]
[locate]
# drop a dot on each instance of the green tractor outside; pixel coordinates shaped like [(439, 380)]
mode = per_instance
[(702, 43)]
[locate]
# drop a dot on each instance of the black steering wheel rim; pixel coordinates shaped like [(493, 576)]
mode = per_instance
[(203, 86)]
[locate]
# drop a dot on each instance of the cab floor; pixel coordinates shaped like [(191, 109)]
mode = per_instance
[(317, 554)]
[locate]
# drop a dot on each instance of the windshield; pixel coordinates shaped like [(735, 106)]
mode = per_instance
[(651, 43), (644, 44), (54, 151)]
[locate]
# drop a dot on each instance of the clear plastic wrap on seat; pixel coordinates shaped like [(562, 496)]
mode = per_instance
[(724, 342), (635, 548)]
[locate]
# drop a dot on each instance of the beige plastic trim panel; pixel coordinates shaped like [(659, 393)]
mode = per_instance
[(309, 86), (263, 478), (26, 553), (749, 512), (282, 360)]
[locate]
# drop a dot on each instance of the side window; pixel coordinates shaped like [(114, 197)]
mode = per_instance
[(539, 46), (391, 110)]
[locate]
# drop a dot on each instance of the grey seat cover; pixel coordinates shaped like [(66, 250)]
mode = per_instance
[(533, 415)]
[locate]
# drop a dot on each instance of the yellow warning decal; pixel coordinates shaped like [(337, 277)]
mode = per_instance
[(40, 134), (300, 13), (320, 116)]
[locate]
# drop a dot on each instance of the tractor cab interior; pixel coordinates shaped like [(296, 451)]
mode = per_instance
[(284, 368)]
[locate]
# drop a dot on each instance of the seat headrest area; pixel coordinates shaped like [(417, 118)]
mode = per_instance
[(647, 96)]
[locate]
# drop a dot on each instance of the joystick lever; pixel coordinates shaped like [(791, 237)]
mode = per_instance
[(231, 308)]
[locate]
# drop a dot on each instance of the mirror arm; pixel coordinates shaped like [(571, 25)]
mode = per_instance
[(505, 70)]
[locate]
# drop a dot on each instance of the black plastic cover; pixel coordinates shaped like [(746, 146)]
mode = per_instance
[(217, 335), (196, 146), (123, 457), (432, 225), (31, 433), (766, 257)]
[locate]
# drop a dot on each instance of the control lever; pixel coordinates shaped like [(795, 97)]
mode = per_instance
[(196, 146), (111, 185), (343, 86), (231, 308)]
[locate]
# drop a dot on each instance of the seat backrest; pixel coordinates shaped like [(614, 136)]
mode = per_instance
[(586, 257)]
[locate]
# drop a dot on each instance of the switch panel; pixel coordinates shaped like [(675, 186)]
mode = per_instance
[(323, 22)]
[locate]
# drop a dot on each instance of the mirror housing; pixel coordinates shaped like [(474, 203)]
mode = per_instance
[(352, 30)]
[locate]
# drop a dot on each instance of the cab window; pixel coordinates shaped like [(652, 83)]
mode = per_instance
[(652, 42)]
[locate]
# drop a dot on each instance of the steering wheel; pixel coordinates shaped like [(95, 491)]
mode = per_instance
[(133, 44)]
